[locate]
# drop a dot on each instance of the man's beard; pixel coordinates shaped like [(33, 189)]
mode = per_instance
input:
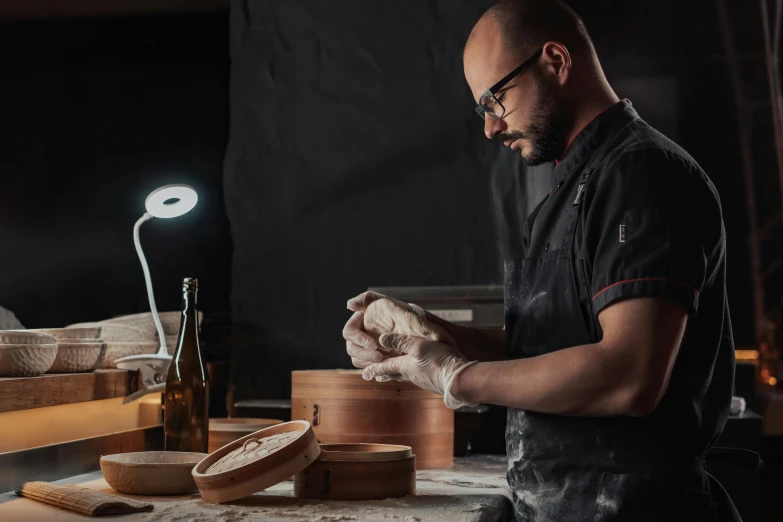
[(546, 132)]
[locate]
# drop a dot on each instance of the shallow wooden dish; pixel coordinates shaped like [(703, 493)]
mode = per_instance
[(151, 472), (358, 472), (225, 431), (26, 360), (344, 408), (256, 462), (91, 333), (118, 350), (78, 357)]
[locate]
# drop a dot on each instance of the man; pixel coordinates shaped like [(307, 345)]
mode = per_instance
[(617, 360)]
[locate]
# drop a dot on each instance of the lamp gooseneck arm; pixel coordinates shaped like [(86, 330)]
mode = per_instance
[(146, 217)]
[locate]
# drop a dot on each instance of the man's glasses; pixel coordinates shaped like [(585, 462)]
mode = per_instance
[(488, 103)]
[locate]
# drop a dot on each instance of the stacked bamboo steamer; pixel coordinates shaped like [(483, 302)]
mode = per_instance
[(344, 408), (325, 472)]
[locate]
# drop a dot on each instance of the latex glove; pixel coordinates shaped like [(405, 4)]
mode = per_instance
[(375, 314), (431, 365), (363, 300), (391, 316), (362, 347)]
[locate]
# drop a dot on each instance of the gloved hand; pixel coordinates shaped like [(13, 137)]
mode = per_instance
[(431, 365), (375, 314)]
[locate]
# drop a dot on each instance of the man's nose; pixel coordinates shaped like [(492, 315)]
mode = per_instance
[(493, 126)]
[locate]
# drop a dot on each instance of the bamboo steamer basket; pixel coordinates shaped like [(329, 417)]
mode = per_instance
[(358, 472), (224, 431), (256, 461), (344, 408)]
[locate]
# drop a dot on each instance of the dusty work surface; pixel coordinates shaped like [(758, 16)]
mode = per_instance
[(473, 490)]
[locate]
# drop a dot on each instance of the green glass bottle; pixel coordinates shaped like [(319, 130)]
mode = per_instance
[(186, 406)]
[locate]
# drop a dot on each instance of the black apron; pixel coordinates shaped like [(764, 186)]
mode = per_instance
[(574, 468)]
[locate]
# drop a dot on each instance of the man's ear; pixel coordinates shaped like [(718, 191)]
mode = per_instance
[(556, 60)]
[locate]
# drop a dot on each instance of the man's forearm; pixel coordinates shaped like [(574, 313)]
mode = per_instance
[(587, 380), (477, 344)]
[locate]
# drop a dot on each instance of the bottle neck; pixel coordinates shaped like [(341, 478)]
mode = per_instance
[(188, 350), (189, 301)]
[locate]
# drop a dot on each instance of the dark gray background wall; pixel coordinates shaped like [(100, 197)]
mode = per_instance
[(353, 159)]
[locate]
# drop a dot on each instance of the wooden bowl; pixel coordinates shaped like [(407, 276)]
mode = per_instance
[(117, 332), (358, 472), (225, 431), (91, 333), (151, 472), (78, 357), (26, 360), (118, 350), (256, 462)]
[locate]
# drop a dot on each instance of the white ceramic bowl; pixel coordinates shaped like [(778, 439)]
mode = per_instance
[(118, 350), (170, 321), (78, 357), (25, 337), (70, 333), (26, 360), (118, 332)]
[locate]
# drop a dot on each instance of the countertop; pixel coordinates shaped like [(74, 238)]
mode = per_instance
[(474, 490)]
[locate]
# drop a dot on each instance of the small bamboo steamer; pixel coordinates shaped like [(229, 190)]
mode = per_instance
[(256, 461), (358, 472), (344, 408)]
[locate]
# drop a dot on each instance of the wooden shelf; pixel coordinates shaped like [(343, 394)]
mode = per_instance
[(25, 393)]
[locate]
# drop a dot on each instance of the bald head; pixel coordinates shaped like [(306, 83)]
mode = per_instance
[(534, 73), (525, 25)]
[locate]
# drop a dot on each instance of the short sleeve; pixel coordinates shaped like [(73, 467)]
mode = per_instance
[(642, 230)]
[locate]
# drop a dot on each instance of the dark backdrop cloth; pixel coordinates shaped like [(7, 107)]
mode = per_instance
[(355, 159)]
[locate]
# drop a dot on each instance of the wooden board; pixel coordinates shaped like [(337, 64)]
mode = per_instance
[(25, 393)]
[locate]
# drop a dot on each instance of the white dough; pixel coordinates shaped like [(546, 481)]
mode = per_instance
[(391, 316)]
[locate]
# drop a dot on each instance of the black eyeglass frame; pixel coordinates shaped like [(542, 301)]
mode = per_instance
[(499, 85)]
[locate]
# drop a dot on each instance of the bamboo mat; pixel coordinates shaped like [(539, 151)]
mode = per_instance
[(81, 500)]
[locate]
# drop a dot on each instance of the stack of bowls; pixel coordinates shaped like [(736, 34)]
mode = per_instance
[(121, 341), (169, 321), (136, 334), (26, 354), (78, 349)]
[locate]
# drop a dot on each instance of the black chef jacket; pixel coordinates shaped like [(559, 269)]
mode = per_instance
[(650, 225)]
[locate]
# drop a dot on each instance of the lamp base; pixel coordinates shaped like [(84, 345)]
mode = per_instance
[(154, 369)]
